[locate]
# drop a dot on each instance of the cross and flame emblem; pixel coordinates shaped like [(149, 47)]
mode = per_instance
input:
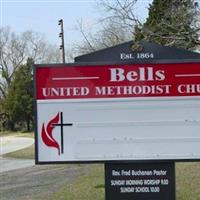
[(47, 132)]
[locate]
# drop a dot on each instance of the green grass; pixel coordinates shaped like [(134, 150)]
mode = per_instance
[(26, 153), (88, 187), (91, 186), (188, 181)]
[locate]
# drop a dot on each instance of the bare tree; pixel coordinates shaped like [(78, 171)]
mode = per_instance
[(117, 26), (15, 49), (121, 12), (110, 34), (178, 25), (39, 49)]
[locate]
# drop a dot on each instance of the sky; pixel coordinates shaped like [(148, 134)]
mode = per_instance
[(42, 16)]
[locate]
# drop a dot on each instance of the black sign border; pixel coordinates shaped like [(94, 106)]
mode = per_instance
[(88, 64)]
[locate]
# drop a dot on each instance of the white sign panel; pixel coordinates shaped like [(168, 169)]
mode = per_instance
[(75, 125)]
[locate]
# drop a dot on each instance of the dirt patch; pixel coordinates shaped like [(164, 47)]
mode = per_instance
[(38, 182)]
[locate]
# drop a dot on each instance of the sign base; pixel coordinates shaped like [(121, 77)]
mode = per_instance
[(140, 181)]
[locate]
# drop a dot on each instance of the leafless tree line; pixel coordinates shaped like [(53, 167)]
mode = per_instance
[(120, 24), (16, 49)]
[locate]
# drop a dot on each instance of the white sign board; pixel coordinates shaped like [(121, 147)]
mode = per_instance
[(88, 113)]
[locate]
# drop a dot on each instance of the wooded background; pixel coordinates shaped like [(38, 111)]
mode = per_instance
[(173, 23)]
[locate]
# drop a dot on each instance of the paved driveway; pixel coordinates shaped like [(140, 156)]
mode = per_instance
[(10, 144), (8, 164)]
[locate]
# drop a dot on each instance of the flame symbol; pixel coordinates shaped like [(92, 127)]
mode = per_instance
[(47, 136)]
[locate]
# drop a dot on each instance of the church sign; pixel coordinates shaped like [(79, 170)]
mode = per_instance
[(108, 112)]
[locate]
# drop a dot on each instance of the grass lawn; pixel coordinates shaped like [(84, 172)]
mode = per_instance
[(91, 186), (88, 187), (188, 181), (26, 153)]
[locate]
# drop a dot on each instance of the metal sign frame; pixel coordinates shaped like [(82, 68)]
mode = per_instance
[(102, 63)]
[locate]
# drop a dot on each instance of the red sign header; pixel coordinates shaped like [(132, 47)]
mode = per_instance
[(118, 81)]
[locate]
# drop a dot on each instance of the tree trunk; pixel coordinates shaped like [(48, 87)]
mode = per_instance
[(11, 125), (28, 124)]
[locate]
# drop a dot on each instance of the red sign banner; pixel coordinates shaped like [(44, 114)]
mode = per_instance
[(118, 81)]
